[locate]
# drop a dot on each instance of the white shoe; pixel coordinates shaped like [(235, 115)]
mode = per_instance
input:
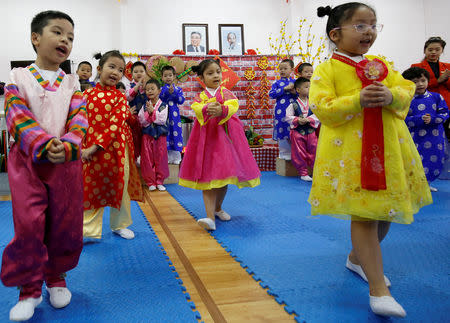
[(306, 178), (59, 296), (177, 162), (138, 161), (152, 187), (24, 309), (224, 216), (386, 306), (161, 187), (207, 223), (125, 233), (433, 189), (358, 269)]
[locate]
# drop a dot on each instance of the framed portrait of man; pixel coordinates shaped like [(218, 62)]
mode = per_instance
[(195, 39), (231, 39)]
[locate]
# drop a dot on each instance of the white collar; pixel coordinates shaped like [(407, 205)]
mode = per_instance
[(212, 91), (47, 75)]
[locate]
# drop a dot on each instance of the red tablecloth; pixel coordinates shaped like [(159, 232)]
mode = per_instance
[(265, 157)]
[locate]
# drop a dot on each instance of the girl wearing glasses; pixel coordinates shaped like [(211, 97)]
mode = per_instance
[(367, 167)]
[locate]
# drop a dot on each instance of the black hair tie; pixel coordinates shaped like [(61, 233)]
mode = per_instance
[(323, 11)]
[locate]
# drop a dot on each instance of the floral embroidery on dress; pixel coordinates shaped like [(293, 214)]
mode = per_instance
[(334, 183), (392, 213), (337, 142)]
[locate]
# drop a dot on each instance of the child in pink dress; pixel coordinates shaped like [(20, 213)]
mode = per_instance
[(46, 116), (217, 153)]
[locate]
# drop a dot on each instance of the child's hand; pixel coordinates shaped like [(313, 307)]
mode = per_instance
[(56, 153), (375, 95), (289, 87), (139, 86), (88, 153), (444, 76), (133, 109), (302, 120), (214, 109), (149, 107), (171, 88), (426, 118)]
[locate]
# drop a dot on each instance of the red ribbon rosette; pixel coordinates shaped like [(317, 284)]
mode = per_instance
[(373, 175)]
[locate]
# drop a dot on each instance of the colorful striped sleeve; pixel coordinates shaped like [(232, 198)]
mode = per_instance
[(76, 126), (23, 127)]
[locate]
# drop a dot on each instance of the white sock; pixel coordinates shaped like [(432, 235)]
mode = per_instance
[(24, 309), (125, 233), (207, 223), (386, 306), (358, 269), (59, 296)]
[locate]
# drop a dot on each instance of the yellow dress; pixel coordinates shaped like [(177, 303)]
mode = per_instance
[(336, 190)]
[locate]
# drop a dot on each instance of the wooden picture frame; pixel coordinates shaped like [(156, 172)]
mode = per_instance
[(231, 39), (195, 39)]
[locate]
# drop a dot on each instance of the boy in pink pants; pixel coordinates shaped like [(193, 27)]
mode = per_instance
[(303, 126), (153, 119), (46, 117)]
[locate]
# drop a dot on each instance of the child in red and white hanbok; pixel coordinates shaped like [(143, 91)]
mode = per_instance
[(303, 131)]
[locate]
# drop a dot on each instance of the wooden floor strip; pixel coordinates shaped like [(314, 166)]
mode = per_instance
[(204, 294), (204, 265)]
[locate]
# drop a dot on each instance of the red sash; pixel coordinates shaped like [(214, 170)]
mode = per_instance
[(373, 176)]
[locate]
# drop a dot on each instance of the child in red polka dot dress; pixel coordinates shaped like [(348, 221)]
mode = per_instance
[(110, 174)]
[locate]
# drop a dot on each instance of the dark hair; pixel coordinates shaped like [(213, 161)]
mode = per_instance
[(168, 68), (41, 20), (340, 14), (289, 61), (200, 68), (196, 32), (415, 72), (84, 63), (302, 67), (154, 81), (298, 82), (434, 40), (138, 63), (84, 85), (103, 58), (120, 85)]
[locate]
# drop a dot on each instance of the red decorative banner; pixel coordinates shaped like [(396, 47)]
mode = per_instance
[(127, 72), (229, 77)]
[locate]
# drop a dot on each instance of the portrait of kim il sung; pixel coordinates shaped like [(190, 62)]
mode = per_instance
[(195, 39)]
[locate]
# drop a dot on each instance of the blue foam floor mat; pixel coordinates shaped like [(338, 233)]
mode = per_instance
[(301, 258), (116, 280)]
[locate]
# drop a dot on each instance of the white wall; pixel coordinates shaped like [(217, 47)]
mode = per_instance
[(407, 25), (154, 26)]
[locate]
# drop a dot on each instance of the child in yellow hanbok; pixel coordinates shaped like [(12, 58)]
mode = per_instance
[(367, 168)]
